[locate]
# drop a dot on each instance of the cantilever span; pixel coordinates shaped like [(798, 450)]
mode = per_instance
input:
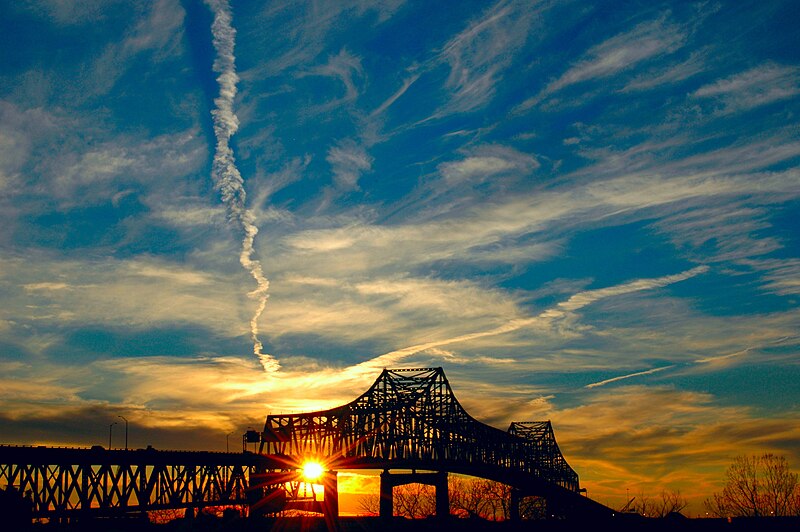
[(411, 419)]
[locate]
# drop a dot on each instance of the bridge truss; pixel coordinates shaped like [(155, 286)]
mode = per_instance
[(410, 418), (67, 482)]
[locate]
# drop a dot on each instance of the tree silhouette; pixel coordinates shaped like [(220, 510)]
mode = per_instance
[(757, 486), (668, 502), (469, 498)]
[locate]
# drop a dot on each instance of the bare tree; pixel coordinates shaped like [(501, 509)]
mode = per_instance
[(469, 497), (369, 504), (667, 502), (414, 500), (757, 486), (474, 497), (408, 500)]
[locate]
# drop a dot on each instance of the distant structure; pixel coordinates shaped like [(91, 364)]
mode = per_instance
[(408, 420)]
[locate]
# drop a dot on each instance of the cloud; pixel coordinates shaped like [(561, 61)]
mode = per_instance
[(629, 376), (658, 77), (67, 13), (139, 293), (308, 29), (657, 437), (781, 276), (21, 131), (227, 178), (485, 162), (80, 176), (644, 42), (479, 54), (349, 161), (345, 67), (158, 32), (557, 316), (752, 88)]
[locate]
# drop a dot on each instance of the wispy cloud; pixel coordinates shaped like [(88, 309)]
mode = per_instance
[(481, 52), (485, 162), (619, 53), (349, 161), (752, 88), (674, 73), (689, 439), (557, 314), (346, 68)]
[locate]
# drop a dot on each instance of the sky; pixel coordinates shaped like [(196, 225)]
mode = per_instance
[(583, 211)]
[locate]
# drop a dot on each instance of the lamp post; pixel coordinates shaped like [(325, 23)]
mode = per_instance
[(126, 430), (110, 430)]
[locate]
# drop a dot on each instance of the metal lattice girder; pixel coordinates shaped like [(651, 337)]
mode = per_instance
[(62, 481), (411, 418)]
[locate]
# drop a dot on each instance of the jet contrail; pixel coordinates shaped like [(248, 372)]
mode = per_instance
[(225, 174), (560, 311), (630, 375)]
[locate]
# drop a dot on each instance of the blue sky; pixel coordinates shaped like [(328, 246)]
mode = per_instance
[(585, 211)]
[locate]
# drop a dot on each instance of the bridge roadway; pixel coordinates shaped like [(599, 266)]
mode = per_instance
[(409, 419)]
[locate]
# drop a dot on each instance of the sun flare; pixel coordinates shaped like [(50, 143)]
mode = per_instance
[(312, 470)]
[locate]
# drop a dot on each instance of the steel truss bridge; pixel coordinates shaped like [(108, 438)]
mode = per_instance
[(408, 421)]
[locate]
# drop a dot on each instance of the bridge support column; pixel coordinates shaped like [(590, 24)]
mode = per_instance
[(513, 505), (386, 505), (442, 495), (330, 483)]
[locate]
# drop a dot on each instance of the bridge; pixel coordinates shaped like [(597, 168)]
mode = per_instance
[(408, 424), (410, 419)]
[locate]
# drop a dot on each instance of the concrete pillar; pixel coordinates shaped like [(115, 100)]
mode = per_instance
[(330, 483), (442, 496), (513, 505), (386, 505)]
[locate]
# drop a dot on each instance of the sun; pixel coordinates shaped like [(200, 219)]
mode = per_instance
[(312, 470)]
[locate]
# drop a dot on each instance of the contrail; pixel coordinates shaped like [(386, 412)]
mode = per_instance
[(560, 311), (630, 375), (227, 178)]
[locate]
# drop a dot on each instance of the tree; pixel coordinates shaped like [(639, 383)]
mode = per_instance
[(757, 486), (469, 497), (474, 497), (414, 500), (408, 500), (668, 502)]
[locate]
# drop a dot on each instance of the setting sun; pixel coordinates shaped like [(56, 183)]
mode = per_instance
[(312, 470)]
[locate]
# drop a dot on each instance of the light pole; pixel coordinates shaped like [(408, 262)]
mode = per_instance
[(227, 448), (126, 430), (110, 430)]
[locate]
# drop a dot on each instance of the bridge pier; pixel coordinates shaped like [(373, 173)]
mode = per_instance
[(330, 483), (513, 505), (437, 480)]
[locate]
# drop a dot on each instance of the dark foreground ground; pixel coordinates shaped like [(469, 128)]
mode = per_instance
[(369, 524)]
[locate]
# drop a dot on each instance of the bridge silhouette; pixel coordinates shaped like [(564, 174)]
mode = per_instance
[(410, 419), (409, 424)]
